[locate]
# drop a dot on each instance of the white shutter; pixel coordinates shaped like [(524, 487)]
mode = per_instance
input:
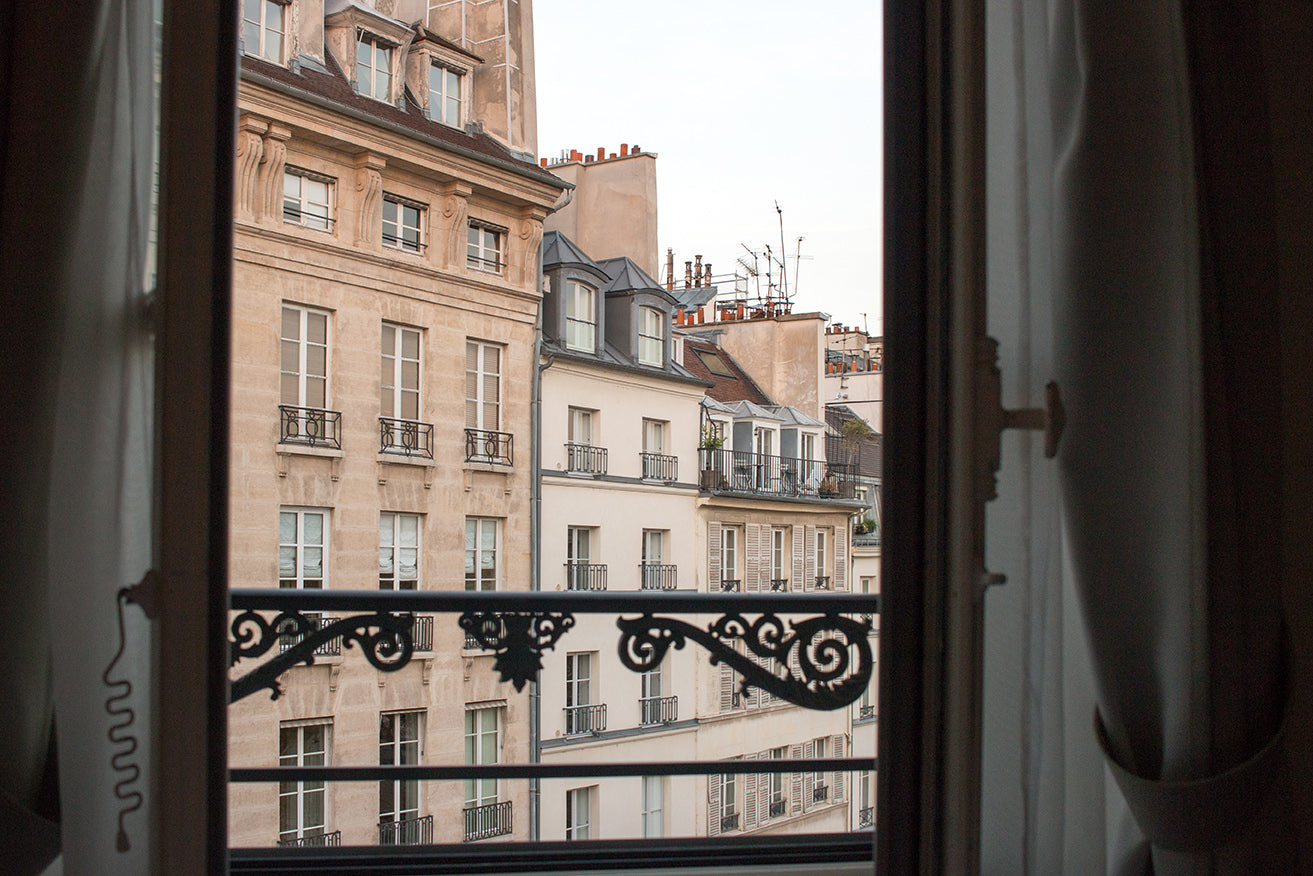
[(726, 688), (763, 790), (754, 697), (808, 777), (798, 566), (841, 558), (713, 557), (752, 563), (795, 782), (837, 790), (713, 805), (749, 797), (809, 558)]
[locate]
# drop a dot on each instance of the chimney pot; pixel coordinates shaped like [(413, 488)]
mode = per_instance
[(624, 149), (601, 152), (543, 162)]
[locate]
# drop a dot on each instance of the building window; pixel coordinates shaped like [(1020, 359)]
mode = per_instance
[(654, 436), (654, 794), (304, 368), (483, 247), (301, 810), (651, 336), (403, 224), (822, 557), (729, 559), (303, 548), (820, 791), (481, 536), (399, 380), (779, 806), (263, 28), (444, 95), (656, 574), (581, 426), (729, 810), (657, 465), (400, 736), (398, 551), (373, 67), (580, 317), (779, 560), (579, 692), (482, 747), (651, 681), (578, 813), (482, 386), (307, 199)]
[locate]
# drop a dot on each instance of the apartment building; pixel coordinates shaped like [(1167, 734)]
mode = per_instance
[(385, 294)]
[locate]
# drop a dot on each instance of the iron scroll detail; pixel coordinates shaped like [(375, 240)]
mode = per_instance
[(517, 638), (824, 662)]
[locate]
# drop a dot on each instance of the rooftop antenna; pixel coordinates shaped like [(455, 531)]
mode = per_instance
[(797, 268), (784, 271)]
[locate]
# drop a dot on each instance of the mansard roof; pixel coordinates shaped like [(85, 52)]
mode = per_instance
[(561, 250), (627, 276), (729, 382)]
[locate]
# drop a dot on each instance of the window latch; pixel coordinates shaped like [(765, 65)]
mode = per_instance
[(992, 418)]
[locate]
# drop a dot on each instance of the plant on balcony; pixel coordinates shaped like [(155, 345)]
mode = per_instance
[(829, 487), (864, 527), (711, 439), (709, 478)]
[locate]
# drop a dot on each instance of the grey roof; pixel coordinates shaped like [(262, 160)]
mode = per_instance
[(627, 276), (712, 405), (561, 250), (755, 411), (693, 296), (796, 417)]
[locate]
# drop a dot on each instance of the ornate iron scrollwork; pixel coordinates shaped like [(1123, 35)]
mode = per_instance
[(833, 654), (386, 639), (518, 638)]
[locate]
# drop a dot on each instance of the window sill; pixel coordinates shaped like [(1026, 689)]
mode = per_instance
[(290, 449)]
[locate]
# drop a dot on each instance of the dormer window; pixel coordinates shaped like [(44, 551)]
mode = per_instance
[(373, 67), (444, 94), (263, 29), (651, 337), (580, 317)]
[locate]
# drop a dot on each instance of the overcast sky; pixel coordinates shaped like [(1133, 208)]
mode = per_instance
[(746, 104)]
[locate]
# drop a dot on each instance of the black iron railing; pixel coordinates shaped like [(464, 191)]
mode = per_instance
[(660, 467), (423, 632), (485, 445), (313, 427), (866, 713), (405, 437), (741, 471), (779, 584), (866, 817), (822, 582), (866, 539), (654, 576), (820, 793), (483, 822), (778, 808), (585, 576), (585, 458), (731, 585), (659, 710), (319, 839), (289, 639), (729, 822), (585, 719), (493, 266), (410, 832)]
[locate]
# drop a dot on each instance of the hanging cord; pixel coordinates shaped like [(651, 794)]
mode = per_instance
[(123, 761)]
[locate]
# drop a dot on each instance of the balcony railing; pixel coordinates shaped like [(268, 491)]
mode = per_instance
[(585, 458), (822, 582), (866, 539), (820, 793), (485, 445), (659, 710), (482, 822), (422, 632), (405, 437), (411, 832), (585, 576), (654, 576), (866, 713), (731, 585), (321, 839), (866, 817), (742, 471), (331, 648), (729, 822), (585, 719), (313, 427), (778, 808), (659, 467), (779, 584)]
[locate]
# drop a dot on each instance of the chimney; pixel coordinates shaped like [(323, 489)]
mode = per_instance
[(624, 149), (697, 270), (707, 275), (670, 267), (688, 275), (601, 153), (543, 162)]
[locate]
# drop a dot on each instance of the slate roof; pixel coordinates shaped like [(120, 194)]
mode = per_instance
[(561, 250), (795, 417), (738, 386), (627, 276)]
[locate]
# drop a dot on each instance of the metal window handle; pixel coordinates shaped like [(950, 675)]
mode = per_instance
[(992, 418)]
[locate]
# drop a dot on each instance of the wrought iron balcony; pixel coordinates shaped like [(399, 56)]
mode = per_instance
[(485, 445), (483, 822), (660, 467), (779, 585), (866, 539), (423, 632), (313, 427), (866, 713), (866, 817), (585, 458), (585, 576), (405, 437), (290, 637), (822, 582), (729, 822), (778, 808), (731, 585), (820, 793), (319, 839), (410, 832), (742, 471), (585, 719), (654, 576), (659, 710)]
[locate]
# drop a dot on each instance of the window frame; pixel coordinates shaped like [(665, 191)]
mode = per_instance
[(399, 751), (729, 558), (474, 736), (397, 519), (573, 796), (645, 334), (575, 681), (476, 527), (303, 348), (448, 71), (480, 376), (477, 234), (398, 240), (394, 407), (299, 546), (299, 759), (377, 44), (574, 314), (646, 811), (303, 201), (263, 30)]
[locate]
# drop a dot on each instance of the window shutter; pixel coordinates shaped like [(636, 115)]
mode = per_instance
[(795, 782), (809, 558), (749, 797), (754, 697), (713, 557), (713, 805), (840, 558), (763, 790), (838, 746), (798, 551), (752, 564), (726, 688), (809, 777)]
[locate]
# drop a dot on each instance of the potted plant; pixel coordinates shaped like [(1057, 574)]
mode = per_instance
[(712, 440), (829, 487), (864, 526)]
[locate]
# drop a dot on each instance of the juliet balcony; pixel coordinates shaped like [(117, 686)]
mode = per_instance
[(759, 474), (405, 437), (659, 467), (486, 445), (485, 822), (659, 710), (655, 576), (585, 719), (410, 832), (318, 840), (585, 459), (312, 427), (585, 576)]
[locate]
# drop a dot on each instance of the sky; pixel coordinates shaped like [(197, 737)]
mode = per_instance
[(746, 104)]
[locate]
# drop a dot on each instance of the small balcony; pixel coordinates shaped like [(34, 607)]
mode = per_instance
[(485, 445), (312, 427), (866, 713), (742, 471), (660, 467), (731, 585), (410, 832), (585, 576), (729, 822), (779, 585), (822, 582), (405, 437), (866, 817), (422, 632), (317, 840), (585, 719), (654, 576), (331, 648), (484, 822), (778, 808), (659, 710), (820, 793), (585, 458)]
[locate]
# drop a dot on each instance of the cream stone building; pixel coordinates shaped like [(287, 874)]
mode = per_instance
[(385, 294)]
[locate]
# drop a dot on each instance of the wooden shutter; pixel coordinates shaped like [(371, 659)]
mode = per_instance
[(795, 782), (763, 790), (798, 566), (809, 558), (713, 805), (841, 558), (713, 557), (754, 697), (808, 777), (726, 688), (751, 559), (836, 790), (750, 796)]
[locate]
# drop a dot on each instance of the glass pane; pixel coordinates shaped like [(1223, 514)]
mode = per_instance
[(409, 562), (410, 344), (488, 751), (312, 564), (409, 534), (491, 389), (316, 361), (291, 323), (453, 111), (313, 525), (316, 328), (410, 405), (314, 808), (489, 540), (410, 374), (290, 359), (287, 562), (385, 561), (287, 527)]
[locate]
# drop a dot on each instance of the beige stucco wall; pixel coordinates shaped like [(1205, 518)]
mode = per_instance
[(785, 355), (614, 209)]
